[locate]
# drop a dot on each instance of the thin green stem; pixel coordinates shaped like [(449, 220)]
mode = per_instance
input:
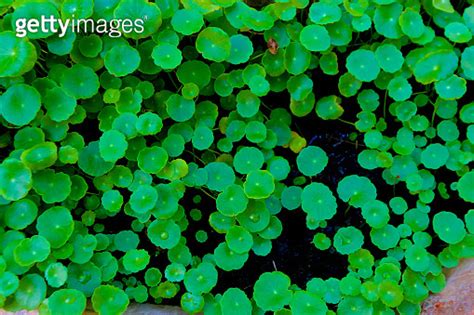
[(422, 92), (214, 151), (256, 56), (196, 157), (172, 80), (347, 209), (266, 106), (207, 193), (346, 122), (434, 113)]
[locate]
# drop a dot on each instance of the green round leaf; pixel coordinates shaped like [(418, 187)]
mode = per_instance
[(108, 299), (214, 44), (167, 56), (15, 179), (259, 184), (187, 22), (68, 301), (315, 38), (20, 104), (363, 65), (311, 161), (122, 60), (271, 291), (17, 55), (449, 227)]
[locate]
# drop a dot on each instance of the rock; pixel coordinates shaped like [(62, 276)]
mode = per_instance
[(457, 298)]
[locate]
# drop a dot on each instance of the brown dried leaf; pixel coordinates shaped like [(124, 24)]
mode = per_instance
[(272, 46)]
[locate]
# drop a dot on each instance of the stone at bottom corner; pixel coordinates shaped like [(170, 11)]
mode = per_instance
[(457, 298)]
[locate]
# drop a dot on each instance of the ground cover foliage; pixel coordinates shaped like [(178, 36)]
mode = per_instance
[(236, 157)]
